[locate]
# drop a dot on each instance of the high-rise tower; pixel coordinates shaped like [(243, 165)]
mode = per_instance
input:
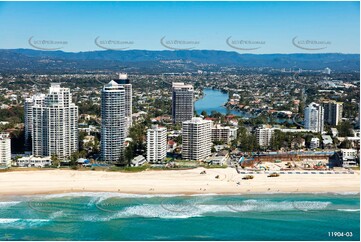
[(113, 122), (182, 102), (54, 124)]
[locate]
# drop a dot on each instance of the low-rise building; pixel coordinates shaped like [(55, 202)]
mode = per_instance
[(315, 143), (138, 161), (223, 134), (217, 160), (349, 157), (32, 161), (327, 141)]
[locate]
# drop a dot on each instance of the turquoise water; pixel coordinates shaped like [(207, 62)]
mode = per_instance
[(110, 216), (213, 100)]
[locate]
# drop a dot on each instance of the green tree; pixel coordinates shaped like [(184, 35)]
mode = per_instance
[(344, 129)]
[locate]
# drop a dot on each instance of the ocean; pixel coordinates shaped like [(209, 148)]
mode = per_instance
[(112, 216)]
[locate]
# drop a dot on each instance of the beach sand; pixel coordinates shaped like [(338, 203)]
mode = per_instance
[(172, 182)]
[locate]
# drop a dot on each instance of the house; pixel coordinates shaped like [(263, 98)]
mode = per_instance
[(327, 141), (138, 161), (315, 143)]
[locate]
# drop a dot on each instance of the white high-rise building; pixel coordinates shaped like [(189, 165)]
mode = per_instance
[(156, 144), (5, 150), (125, 82), (182, 102), (264, 136), (54, 124), (113, 122), (37, 99), (314, 117), (197, 139)]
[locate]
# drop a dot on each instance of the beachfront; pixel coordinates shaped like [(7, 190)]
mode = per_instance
[(228, 181)]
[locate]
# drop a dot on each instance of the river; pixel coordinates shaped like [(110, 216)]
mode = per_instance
[(214, 100)]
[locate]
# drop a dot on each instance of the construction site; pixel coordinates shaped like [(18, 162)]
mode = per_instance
[(290, 161)]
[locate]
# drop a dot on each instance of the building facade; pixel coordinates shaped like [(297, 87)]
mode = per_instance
[(332, 112), (113, 122), (28, 116), (54, 124), (197, 139), (156, 144), (264, 136), (182, 102), (5, 150), (32, 161), (314, 117), (128, 103), (223, 134), (349, 157), (314, 143)]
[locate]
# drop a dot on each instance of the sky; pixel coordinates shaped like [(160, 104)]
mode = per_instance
[(245, 27)]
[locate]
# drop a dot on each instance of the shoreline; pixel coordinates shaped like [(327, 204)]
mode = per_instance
[(174, 182), (165, 195)]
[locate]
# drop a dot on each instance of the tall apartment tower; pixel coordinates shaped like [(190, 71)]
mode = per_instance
[(333, 112), (125, 82), (37, 99), (113, 122), (54, 124), (197, 139), (182, 102), (314, 117), (5, 150), (156, 144), (264, 136)]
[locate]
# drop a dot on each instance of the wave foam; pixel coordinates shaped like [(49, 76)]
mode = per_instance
[(168, 211), (348, 210), (8, 204)]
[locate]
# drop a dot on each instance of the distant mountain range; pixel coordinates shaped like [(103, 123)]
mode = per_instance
[(26, 60)]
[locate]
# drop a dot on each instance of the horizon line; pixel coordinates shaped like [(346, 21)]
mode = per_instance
[(230, 51)]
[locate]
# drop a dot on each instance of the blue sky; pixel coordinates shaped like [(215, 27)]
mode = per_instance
[(266, 27)]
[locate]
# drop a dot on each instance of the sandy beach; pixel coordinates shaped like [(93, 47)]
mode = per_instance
[(172, 182)]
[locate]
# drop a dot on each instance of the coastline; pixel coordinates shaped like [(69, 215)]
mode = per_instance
[(173, 182)]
